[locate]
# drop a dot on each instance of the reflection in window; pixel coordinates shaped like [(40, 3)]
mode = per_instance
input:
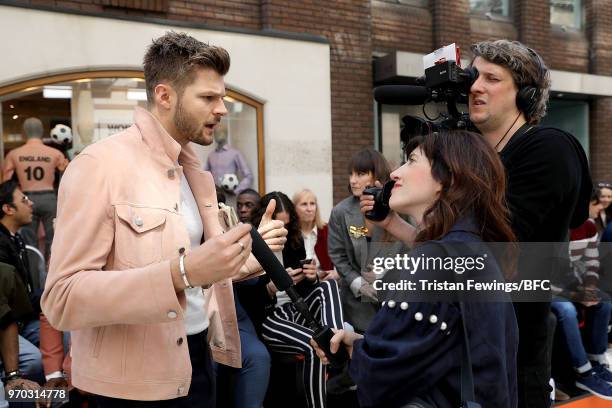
[(490, 7), (566, 13), (92, 108), (95, 108)]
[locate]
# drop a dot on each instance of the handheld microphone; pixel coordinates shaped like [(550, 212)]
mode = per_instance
[(401, 94), (281, 279)]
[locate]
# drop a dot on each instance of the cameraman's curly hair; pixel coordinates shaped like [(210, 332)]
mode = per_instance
[(526, 66), (174, 57)]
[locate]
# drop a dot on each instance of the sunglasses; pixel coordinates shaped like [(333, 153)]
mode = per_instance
[(604, 185)]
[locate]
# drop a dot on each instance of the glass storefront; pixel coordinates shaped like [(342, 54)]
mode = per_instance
[(95, 107)]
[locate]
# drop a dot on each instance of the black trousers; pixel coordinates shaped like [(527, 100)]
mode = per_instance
[(534, 357), (202, 389)]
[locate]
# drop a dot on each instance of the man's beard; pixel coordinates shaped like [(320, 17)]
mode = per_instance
[(187, 127)]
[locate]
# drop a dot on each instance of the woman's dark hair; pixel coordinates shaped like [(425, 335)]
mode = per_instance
[(283, 204), (473, 183), (370, 161)]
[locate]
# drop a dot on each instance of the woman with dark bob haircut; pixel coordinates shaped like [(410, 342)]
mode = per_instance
[(410, 356), (354, 241)]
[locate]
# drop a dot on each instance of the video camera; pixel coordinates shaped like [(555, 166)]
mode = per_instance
[(444, 81)]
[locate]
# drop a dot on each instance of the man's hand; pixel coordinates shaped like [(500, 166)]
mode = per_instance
[(52, 384), (341, 337), (296, 274), (22, 384), (216, 259), (272, 231), (368, 292)]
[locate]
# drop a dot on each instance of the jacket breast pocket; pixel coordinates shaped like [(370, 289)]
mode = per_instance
[(139, 234)]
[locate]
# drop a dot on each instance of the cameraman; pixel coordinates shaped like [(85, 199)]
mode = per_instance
[(548, 179), (548, 182)]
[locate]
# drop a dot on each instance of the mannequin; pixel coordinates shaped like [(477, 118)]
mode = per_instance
[(227, 160)]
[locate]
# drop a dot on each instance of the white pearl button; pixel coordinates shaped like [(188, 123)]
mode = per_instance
[(433, 319), (443, 326), (391, 304), (418, 316), (172, 314), (404, 305)]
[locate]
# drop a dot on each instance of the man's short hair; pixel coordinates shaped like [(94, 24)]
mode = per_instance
[(175, 57), (250, 191), (6, 194), (526, 66)]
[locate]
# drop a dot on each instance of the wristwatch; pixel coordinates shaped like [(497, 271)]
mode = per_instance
[(12, 375)]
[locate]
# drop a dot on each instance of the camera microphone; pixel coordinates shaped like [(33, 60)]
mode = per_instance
[(281, 279), (401, 94)]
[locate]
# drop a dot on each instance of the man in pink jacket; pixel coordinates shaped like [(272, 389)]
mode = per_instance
[(128, 269)]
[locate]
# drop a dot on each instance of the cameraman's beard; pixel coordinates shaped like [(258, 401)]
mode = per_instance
[(186, 126)]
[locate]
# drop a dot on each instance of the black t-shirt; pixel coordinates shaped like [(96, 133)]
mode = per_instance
[(548, 183)]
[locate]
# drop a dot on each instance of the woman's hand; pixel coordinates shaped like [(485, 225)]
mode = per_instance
[(332, 274), (366, 203), (296, 274), (310, 270), (341, 337)]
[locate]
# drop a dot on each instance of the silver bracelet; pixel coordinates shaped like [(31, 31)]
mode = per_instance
[(183, 272)]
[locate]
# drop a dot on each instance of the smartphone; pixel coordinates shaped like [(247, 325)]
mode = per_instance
[(305, 261)]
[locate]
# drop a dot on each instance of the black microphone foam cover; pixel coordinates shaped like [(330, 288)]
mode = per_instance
[(269, 263), (401, 94)]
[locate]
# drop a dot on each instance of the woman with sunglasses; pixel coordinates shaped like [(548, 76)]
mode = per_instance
[(453, 186)]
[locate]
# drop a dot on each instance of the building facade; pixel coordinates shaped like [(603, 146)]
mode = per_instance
[(308, 68)]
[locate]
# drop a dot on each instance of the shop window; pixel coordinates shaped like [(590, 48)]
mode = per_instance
[(499, 8), (567, 14), (98, 105)]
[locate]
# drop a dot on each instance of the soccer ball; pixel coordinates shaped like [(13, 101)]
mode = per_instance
[(61, 134), (229, 182)]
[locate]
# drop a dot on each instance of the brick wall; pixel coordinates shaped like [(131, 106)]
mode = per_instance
[(599, 32), (347, 26), (451, 22), (532, 19), (401, 27), (234, 13)]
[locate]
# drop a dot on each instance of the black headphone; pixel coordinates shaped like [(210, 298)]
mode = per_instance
[(529, 95)]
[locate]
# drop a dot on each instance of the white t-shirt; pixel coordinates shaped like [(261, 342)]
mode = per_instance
[(196, 317)]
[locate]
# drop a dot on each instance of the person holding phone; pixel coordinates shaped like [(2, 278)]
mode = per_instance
[(354, 241), (283, 329), (315, 233), (410, 355)]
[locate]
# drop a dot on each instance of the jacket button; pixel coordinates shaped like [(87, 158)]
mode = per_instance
[(172, 314), (179, 341), (180, 390)]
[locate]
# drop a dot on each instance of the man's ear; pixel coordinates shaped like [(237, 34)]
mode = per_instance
[(163, 95), (8, 209)]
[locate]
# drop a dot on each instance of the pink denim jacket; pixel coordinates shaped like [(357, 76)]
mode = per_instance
[(118, 225)]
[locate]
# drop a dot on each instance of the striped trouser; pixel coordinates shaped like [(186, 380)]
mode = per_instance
[(284, 331)]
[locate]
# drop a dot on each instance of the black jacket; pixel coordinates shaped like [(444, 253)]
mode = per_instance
[(13, 252)]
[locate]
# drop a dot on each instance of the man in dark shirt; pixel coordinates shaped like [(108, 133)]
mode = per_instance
[(19, 304), (548, 182)]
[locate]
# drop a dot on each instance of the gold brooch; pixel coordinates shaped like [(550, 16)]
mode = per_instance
[(358, 232)]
